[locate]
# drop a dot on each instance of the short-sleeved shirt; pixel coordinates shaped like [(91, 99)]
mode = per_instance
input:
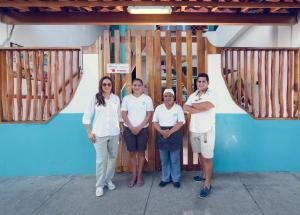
[(168, 117), (137, 108), (204, 121), (107, 118)]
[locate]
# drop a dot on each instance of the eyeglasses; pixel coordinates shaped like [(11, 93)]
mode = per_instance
[(106, 84)]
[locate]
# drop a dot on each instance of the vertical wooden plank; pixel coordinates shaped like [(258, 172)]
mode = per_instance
[(56, 81), (298, 71), (119, 166), (178, 67), (289, 84), (117, 60), (205, 55), (189, 78), (267, 89), (19, 86), (28, 85), (106, 49), (273, 104), (296, 83), (168, 60), (260, 85), (49, 81), (77, 66), (3, 87), (35, 84), (100, 57), (252, 81), (200, 56), (71, 74), (150, 81), (157, 74), (232, 73), (43, 88), (138, 54), (63, 78), (128, 85), (189, 75), (239, 93), (10, 85), (226, 67), (246, 80), (280, 83)]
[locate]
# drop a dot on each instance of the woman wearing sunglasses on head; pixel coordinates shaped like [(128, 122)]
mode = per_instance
[(105, 108)]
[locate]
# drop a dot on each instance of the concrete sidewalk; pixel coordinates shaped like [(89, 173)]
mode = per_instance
[(233, 194)]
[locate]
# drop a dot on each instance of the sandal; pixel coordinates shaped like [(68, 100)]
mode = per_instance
[(131, 183), (140, 182)]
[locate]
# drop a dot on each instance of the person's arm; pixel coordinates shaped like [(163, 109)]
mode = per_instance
[(175, 128), (89, 133), (190, 109), (126, 120), (203, 106), (86, 119)]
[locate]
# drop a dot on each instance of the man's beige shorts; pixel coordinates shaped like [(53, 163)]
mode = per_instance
[(204, 143)]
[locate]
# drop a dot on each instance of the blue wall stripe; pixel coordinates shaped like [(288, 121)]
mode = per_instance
[(61, 146)]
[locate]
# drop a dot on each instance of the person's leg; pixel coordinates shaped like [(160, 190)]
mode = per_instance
[(141, 163), (165, 165), (208, 167), (142, 139), (101, 160), (196, 147), (175, 165), (200, 158), (133, 162), (112, 156)]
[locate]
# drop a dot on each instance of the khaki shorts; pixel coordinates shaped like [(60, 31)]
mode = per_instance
[(204, 143)]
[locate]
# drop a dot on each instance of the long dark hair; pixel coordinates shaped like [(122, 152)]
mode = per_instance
[(99, 96)]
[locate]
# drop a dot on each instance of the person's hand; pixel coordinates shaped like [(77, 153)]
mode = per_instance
[(134, 130), (165, 133), (92, 137)]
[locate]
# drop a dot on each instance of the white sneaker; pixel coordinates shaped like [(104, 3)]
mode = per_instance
[(111, 185), (99, 191)]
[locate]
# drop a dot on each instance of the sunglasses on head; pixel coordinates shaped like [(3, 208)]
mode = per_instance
[(106, 84)]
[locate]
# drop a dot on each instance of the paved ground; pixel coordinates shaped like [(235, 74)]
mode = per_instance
[(233, 194)]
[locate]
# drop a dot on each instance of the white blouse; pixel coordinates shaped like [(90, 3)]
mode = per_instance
[(107, 118)]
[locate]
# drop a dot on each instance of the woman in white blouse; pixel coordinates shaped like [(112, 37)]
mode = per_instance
[(105, 107), (168, 118)]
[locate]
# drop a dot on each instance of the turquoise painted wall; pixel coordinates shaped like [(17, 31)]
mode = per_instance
[(62, 147)]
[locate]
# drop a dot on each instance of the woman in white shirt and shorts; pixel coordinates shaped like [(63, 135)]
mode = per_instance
[(136, 110)]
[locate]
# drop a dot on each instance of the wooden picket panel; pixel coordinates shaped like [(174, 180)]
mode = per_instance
[(10, 85), (138, 54), (150, 84), (289, 84), (28, 84), (168, 60), (106, 50), (200, 51), (259, 84), (49, 86), (280, 83), (246, 78), (273, 63), (239, 78), (267, 91), (19, 86), (63, 81)]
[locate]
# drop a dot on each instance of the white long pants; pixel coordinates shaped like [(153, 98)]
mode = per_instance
[(106, 154)]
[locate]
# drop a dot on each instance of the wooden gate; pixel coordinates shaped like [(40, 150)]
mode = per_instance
[(163, 59)]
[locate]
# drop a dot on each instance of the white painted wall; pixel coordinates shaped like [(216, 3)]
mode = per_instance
[(53, 35)]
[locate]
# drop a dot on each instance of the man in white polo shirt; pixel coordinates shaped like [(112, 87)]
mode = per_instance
[(201, 106)]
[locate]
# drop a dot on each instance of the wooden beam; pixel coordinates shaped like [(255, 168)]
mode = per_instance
[(128, 19), (8, 3)]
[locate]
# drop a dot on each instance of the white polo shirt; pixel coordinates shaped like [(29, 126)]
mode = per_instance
[(137, 108), (204, 121), (168, 117), (107, 118)]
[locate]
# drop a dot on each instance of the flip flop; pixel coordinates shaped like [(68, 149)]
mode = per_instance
[(140, 183), (131, 183)]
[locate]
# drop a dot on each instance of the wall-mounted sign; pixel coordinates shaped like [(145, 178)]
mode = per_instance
[(119, 68)]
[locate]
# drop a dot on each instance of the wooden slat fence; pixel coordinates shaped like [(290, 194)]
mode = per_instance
[(154, 52), (264, 81), (36, 83)]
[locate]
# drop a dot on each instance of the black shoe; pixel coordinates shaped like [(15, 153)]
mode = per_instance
[(198, 178), (176, 184), (163, 183)]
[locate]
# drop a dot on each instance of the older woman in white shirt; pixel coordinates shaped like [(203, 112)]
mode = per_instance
[(168, 118), (105, 107)]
